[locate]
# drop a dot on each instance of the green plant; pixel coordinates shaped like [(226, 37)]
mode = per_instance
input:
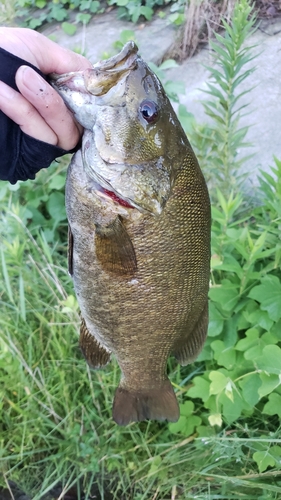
[(222, 138), (35, 13), (7, 12), (132, 10), (40, 203), (172, 88), (57, 10), (177, 12), (242, 355), (125, 36)]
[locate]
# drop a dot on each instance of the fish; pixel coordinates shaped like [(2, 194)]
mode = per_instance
[(138, 210)]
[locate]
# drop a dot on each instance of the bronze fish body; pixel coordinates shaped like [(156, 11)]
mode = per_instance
[(139, 238)]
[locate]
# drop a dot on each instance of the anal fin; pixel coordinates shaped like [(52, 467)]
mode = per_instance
[(94, 353), (114, 249)]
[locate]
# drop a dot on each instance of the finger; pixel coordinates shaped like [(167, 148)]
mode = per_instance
[(41, 51), (53, 58), (16, 107), (50, 106)]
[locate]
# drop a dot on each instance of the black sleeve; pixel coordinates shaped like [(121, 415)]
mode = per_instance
[(22, 156)]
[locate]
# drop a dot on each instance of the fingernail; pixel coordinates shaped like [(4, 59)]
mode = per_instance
[(31, 79)]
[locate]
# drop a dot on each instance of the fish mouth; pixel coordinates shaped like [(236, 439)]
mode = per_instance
[(124, 60), (104, 75)]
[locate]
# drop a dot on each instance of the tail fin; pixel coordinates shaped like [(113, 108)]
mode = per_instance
[(153, 404)]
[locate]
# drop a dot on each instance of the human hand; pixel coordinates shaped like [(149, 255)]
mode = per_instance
[(38, 109)]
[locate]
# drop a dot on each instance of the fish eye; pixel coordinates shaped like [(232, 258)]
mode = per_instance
[(149, 110)]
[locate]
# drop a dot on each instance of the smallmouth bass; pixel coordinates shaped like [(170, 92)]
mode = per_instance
[(139, 232)]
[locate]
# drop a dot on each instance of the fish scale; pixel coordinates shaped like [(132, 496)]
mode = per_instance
[(140, 268)]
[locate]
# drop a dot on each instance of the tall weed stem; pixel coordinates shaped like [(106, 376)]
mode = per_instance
[(223, 138)]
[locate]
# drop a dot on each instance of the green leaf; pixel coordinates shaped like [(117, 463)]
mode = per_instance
[(147, 12), (58, 181), (40, 4), (34, 23), (186, 408), (276, 330), (216, 321), (215, 419), (185, 426), (230, 334), (269, 296), (187, 421), (226, 295), (69, 29), (55, 206), (273, 406), (232, 265), (263, 460), (95, 5), (231, 409), (261, 318), (179, 426), (250, 386), (200, 389), (136, 12), (269, 383), (225, 356), (83, 18), (270, 361), (218, 382), (85, 5), (156, 462), (250, 340), (168, 64), (58, 13)]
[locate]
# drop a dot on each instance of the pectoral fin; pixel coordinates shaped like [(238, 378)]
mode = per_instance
[(70, 251), (94, 353), (114, 249)]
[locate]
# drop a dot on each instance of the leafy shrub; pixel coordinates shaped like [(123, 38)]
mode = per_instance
[(40, 202), (60, 10), (242, 354), (219, 142), (34, 13)]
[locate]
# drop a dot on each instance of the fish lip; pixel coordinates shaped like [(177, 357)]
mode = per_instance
[(125, 59)]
